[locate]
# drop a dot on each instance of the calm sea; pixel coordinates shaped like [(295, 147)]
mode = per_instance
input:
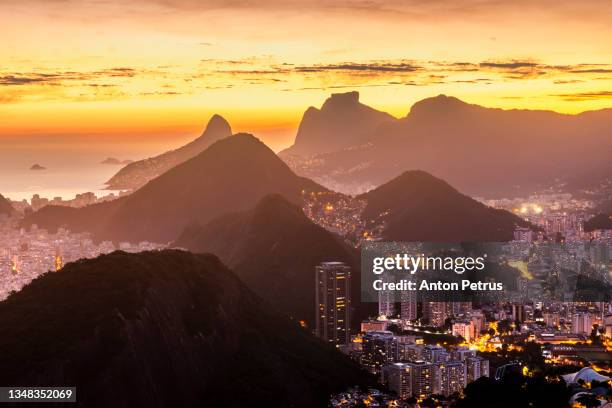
[(69, 170)]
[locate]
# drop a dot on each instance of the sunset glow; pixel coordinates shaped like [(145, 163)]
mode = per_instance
[(162, 67)]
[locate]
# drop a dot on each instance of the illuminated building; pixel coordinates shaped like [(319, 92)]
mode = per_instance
[(476, 367), (379, 348), (518, 313), (449, 377), (374, 325), (581, 323), (464, 329), (422, 378), (408, 305), (386, 299), (435, 354), (333, 301), (437, 312), (398, 378)]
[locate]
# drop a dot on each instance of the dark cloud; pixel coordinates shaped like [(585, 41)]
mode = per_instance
[(580, 96), (509, 65), (56, 78), (352, 66)]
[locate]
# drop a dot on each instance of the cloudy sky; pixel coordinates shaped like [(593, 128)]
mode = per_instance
[(157, 69)]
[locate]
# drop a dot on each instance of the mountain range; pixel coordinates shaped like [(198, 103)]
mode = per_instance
[(482, 151), (138, 173), (161, 329), (417, 206), (274, 249), (233, 174), (5, 206)]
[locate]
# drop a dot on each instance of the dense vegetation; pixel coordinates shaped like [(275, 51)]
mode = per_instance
[(163, 329)]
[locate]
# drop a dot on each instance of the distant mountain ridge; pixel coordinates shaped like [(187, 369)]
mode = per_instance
[(482, 151), (341, 122), (417, 206), (163, 329), (274, 249), (233, 174), (138, 173)]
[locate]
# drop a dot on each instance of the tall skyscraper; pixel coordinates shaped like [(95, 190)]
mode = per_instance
[(581, 323), (386, 298), (408, 305), (333, 302)]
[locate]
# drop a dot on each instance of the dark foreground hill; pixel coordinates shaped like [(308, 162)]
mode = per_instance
[(137, 174), (231, 175), (417, 206), (5, 206), (274, 249), (162, 329)]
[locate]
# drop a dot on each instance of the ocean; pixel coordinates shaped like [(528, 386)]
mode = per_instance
[(69, 169)]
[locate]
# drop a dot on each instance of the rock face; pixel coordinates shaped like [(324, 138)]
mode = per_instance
[(274, 249), (341, 122), (138, 173), (5, 206), (163, 329), (231, 175), (419, 207)]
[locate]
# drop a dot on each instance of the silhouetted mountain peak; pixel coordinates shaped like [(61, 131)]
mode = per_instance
[(231, 175), (341, 100), (139, 173), (217, 128), (417, 206), (341, 122), (439, 105)]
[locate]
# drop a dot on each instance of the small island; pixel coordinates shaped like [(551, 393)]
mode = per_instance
[(37, 166)]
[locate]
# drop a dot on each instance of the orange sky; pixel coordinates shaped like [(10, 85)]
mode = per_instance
[(157, 69)]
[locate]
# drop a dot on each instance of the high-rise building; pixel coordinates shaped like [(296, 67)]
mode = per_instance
[(518, 313), (398, 377), (333, 302), (386, 298), (379, 348), (476, 367), (435, 354), (449, 377), (581, 323), (437, 312), (422, 379), (408, 305), (462, 353)]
